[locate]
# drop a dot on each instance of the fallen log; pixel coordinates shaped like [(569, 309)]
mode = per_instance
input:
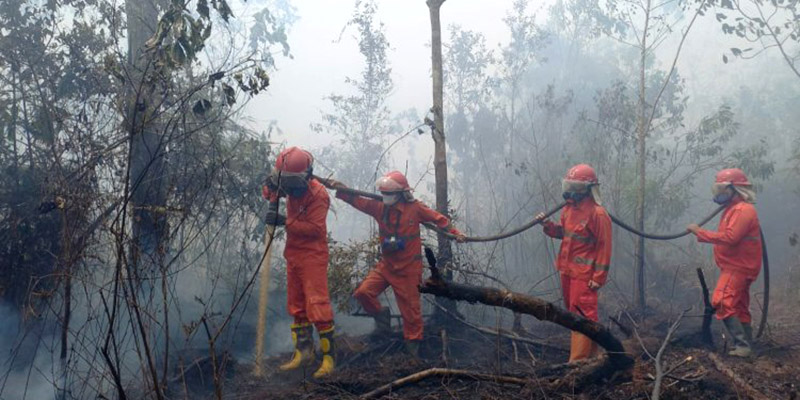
[(514, 337), (442, 372), (517, 302)]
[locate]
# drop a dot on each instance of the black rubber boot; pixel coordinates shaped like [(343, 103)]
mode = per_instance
[(383, 322), (741, 346), (412, 347), (748, 332)]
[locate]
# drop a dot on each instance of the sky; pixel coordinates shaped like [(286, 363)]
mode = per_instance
[(321, 61)]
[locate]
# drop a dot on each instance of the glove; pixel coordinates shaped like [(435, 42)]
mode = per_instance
[(271, 184), (273, 218)]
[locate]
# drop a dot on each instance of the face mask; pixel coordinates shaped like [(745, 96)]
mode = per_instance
[(574, 197), (390, 199), (723, 198), (722, 193), (296, 192)]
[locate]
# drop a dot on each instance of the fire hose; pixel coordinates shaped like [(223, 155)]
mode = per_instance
[(617, 221), (764, 256), (502, 235)]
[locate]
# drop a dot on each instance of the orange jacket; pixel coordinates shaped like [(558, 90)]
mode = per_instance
[(737, 242), (585, 233), (401, 220), (306, 229)]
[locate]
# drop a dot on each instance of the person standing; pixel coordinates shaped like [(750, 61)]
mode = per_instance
[(737, 252), (306, 256), (585, 253)]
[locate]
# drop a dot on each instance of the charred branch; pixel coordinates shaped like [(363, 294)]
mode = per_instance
[(708, 310), (660, 373), (542, 310)]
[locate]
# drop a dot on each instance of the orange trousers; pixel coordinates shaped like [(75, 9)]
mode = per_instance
[(731, 297), (406, 292), (581, 300), (307, 294)]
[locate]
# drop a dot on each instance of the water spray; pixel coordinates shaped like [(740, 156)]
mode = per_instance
[(263, 294)]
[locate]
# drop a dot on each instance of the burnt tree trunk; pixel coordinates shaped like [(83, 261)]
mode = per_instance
[(708, 310), (536, 307)]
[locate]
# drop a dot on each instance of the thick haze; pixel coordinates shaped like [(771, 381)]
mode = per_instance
[(322, 61), (323, 57), (559, 91)]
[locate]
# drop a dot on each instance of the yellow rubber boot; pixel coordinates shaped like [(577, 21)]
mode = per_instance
[(303, 347), (326, 343)]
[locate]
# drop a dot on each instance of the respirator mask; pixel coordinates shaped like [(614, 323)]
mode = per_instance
[(722, 192), (390, 199), (289, 183), (573, 191)]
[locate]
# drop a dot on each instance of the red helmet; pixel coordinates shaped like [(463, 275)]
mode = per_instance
[(294, 160), (732, 176), (393, 181), (582, 173)]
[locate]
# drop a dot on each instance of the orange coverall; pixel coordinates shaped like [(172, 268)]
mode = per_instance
[(306, 254), (402, 269), (737, 252), (585, 254)]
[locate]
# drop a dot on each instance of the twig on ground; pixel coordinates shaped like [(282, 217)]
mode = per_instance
[(444, 346), (659, 367), (737, 380), (442, 372)]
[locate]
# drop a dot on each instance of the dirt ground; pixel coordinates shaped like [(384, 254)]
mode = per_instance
[(365, 364)]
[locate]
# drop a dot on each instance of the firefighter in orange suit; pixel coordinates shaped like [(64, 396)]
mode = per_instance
[(737, 252), (399, 217), (306, 254), (585, 253)]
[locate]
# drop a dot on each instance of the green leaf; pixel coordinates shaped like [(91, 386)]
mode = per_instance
[(216, 76), (230, 94), (223, 9), (202, 8), (201, 106), (179, 55)]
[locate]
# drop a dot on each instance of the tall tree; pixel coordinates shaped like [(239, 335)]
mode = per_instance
[(645, 26), (148, 194), (361, 122), (437, 128)]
